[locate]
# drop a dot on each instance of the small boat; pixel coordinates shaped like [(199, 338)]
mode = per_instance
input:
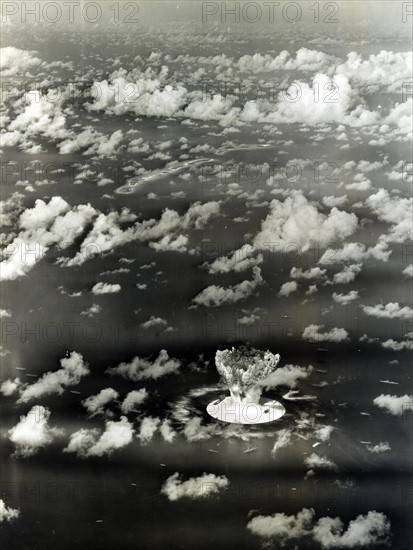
[(250, 449), (21, 368), (388, 382), (321, 370), (212, 451), (162, 464), (31, 375), (99, 521), (322, 349), (317, 444), (365, 414), (134, 484), (75, 392)]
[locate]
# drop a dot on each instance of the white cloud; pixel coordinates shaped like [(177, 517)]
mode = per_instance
[(305, 60), (7, 513), (95, 404), (167, 431), (347, 275), (312, 273), (237, 261), (383, 71), (286, 376), (344, 299), (397, 345), (8, 387), (381, 447), (319, 462), (33, 432), (144, 369), (14, 61), (349, 252), (312, 334), (195, 487), (154, 322), (408, 271), (323, 433), (396, 211), (373, 528), (93, 442), (366, 530), (392, 310), (134, 399), (296, 221), (106, 288), (72, 371), (147, 429), (282, 527), (214, 296), (46, 224), (288, 288), (393, 404), (4, 313)]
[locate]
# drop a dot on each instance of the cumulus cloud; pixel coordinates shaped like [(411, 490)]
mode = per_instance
[(393, 404), (195, 487), (95, 404), (14, 61), (7, 513), (134, 399), (396, 211), (304, 60), (147, 429), (33, 432), (167, 431), (46, 224), (288, 288), (72, 371), (397, 345), (408, 271), (347, 275), (364, 531), (324, 99), (288, 375), (239, 260), (319, 462), (214, 296), (93, 442), (9, 387), (154, 322), (344, 299), (144, 369), (296, 221), (282, 527), (312, 334), (106, 288), (392, 310), (383, 71), (312, 273), (381, 447), (108, 234)]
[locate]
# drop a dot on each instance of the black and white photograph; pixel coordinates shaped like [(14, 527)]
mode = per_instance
[(206, 275)]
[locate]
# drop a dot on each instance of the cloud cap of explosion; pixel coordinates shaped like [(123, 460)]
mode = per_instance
[(243, 370)]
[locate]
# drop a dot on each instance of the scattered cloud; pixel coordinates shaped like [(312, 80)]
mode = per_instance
[(200, 487)]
